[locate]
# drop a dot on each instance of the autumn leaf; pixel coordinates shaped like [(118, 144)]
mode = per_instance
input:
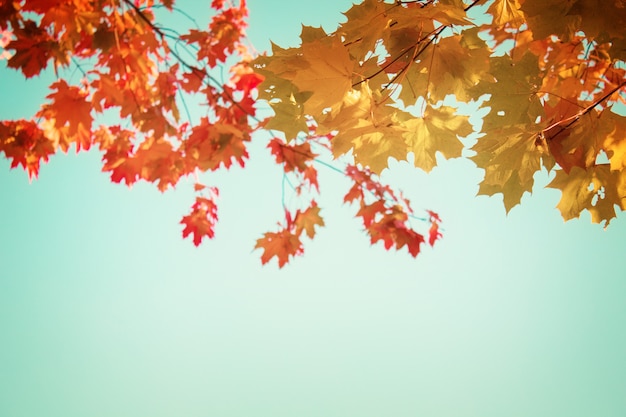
[(295, 157), (433, 233), (283, 245), (326, 72), (371, 130), (510, 158), (201, 220), (117, 144), (211, 145), (596, 189), (614, 143), (159, 162), (393, 231), (437, 131), (307, 220), (70, 113), (25, 144), (506, 12), (365, 24), (449, 67), (580, 144), (550, 17), (512, 93), (33, 48)]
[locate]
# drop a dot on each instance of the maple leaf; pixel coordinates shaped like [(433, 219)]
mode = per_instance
[(26, 144), (201, 220), (282, 245), (447, 13), (307, 220), (372, 131), (365, 25), (614, 143), (580, 144), (288, 117), (550, 17), (510, 158), (512, 93), (393, 231), (310, 176), (295, 157), (69, 108), (436, 131), (193, 80), (159, 162), (596, 189), (386, 218), (211, 145), (453, 65), (9, 14), (372, 212), (118, 148), (326, 72), (433, 233), (506, 12), (33, 49)]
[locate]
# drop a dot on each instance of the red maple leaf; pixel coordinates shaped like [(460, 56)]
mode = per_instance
[(295, 157), (33, 48), (201, 221), (25, 143), (69, 109)]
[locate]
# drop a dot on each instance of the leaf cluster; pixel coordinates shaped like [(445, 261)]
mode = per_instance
[(394, 80), (549, 74)]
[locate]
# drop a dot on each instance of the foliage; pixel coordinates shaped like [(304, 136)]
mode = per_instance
[(388, 83)]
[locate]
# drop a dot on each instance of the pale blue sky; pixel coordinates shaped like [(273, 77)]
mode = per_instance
[(106, 311)]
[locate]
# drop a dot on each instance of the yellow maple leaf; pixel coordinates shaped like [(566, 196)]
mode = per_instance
[(510, 158), (506, 12), (365, 25), (513, 95), (451, 66), (614, 143), (436, 131), (596, 189), (322, 66), (581, 143), (288, 117), (424, 16), (328, 76), (372, 145), (373, 131)]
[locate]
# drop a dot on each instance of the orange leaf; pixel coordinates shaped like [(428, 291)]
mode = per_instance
[(393, 230), (201, 221), (281, 245), (159, 161), (368, 212), (25, 143), (33, 48), (211, 145), (71, 113), (308, 219), (295, 157), (434, 233)]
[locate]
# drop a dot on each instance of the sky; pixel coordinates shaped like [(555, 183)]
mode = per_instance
[(106, 311)]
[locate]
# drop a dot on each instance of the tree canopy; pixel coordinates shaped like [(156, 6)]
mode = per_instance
[(395, 80)]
